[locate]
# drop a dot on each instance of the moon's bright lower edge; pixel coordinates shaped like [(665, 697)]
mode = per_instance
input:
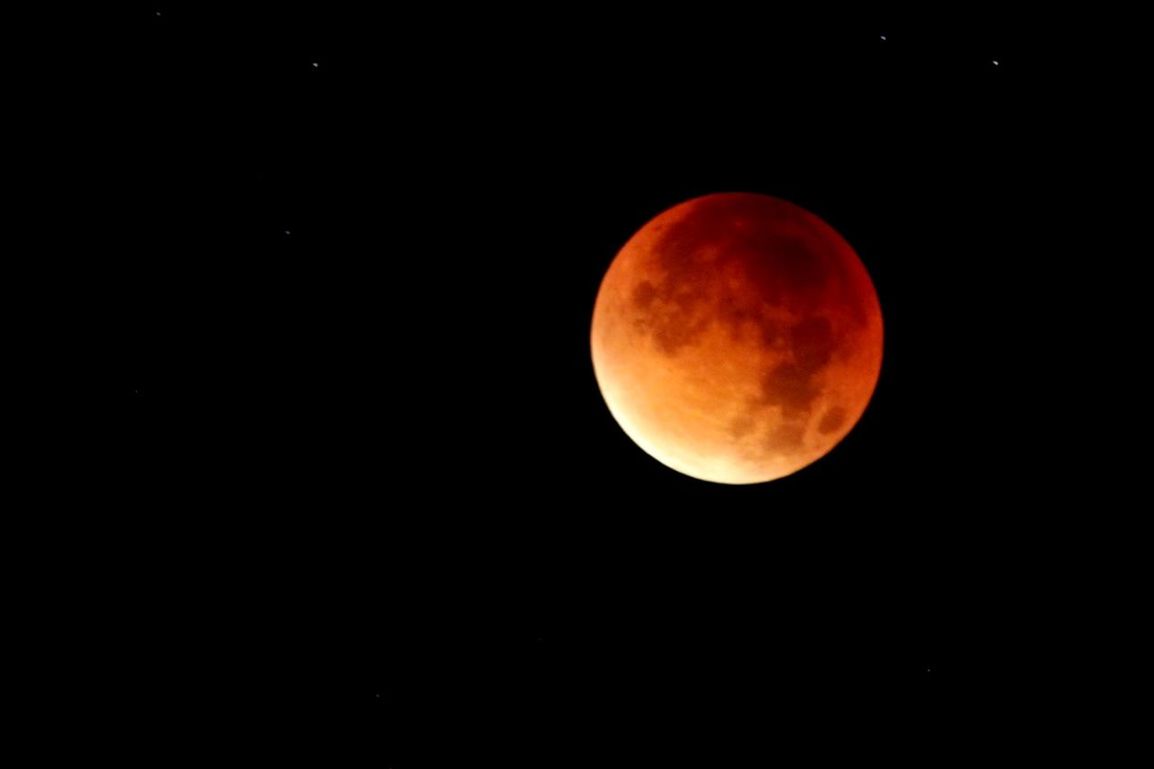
[(737, 338)]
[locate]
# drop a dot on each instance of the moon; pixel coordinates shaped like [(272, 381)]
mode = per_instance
[(737, 338)]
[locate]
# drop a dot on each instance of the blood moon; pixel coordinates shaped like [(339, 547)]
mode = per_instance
[(737, 338)]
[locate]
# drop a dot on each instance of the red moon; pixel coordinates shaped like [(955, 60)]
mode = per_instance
[(737, 338)]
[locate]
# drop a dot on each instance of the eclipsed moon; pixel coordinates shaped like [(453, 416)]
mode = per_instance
[(737, 338)]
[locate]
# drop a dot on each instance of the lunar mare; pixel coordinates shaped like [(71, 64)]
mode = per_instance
[(737, 338)]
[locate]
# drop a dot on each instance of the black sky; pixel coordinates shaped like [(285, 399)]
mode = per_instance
[(359, 489)]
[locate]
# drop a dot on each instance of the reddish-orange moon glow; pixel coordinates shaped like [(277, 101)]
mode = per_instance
[(737, 338)]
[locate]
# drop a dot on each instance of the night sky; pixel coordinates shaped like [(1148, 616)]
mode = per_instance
[(353, 489)]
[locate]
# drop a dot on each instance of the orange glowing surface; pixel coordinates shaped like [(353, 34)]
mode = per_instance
[(737, 338)]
